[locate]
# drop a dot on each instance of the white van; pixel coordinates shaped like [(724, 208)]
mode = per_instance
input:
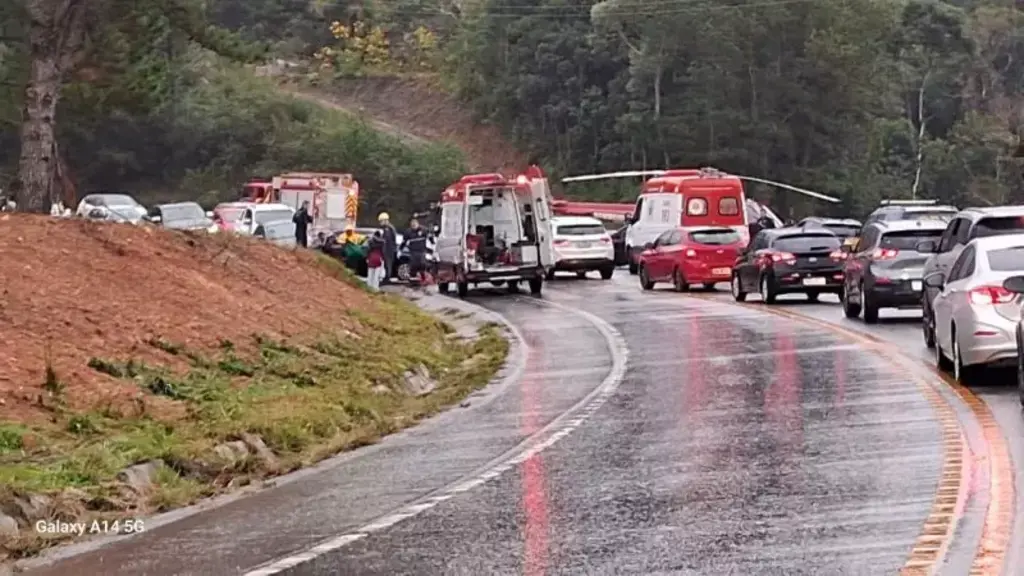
[(272, 222)]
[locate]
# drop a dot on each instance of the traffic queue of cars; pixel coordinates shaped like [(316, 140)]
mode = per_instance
[(963, 268)]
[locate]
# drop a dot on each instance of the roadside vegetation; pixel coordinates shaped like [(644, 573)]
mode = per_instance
[(200, 400)]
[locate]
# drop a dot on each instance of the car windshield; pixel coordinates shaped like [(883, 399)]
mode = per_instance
[(806, 243), (580, 230), (715, 237), (908, 239), (843, 230), (182, 212), (999, 226), (112, 200), (264, 216), (1007, 259), (229, 214)]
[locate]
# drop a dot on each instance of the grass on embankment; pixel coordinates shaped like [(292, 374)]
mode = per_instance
[(306, 401)]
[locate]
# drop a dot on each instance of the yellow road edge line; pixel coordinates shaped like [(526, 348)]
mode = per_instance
[(997, 527)]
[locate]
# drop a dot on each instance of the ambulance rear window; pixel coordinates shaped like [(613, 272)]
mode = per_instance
[(728, 206), (697, 207)]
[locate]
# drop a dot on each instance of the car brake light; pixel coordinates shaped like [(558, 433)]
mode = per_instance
[(691, 253), (605, 239), (561, 242), (884, 253), (988, 295), (838, 255), (783, 257)]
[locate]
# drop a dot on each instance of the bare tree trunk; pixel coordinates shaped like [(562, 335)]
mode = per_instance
[(921, 124), (657, 90), (56, 37)]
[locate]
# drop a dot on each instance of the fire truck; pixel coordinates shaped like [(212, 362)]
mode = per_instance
[(333, 198)]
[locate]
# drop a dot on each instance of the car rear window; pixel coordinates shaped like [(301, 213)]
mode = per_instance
[(716, 237), (580, 230), (1007, 259), (939, 215), (182, 212), (728, 206), (843, 230), (999, 226), (265, 216), (908, 239), (806, 243)]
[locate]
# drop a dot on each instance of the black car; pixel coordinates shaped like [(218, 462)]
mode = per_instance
[(789, 261), (885, 269), (890, 210)]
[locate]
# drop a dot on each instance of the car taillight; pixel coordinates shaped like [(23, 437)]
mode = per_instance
[(606, 240), (884, 253), (988, 295), (691, 253), (561, 242), (783, 257), (838, 255)]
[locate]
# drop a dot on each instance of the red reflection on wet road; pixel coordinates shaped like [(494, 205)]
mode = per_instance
[(783, 397), (535, 502)]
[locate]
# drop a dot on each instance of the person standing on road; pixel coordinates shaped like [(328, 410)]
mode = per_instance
[(415, 239), (390, 245), (302, 220), (375, 260)]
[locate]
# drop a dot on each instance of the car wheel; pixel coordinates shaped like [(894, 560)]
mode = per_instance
[(963, 375), (941, 362), (607, 273), (928, 327), (737, 292), (536, 286), (1020, 368), (645, 279), (678, 282), (850, 310), (870, 309), (767, 291), (634, 266)]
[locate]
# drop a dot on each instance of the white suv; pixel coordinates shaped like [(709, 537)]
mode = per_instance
[(582, 244)]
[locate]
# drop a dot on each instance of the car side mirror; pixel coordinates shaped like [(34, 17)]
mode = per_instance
[(927, 247), (936, 280), (1014, 284)]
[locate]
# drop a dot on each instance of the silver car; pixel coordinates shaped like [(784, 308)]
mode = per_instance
[(975, 316)]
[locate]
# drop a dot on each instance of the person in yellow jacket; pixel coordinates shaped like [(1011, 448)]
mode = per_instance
[(350, 235)]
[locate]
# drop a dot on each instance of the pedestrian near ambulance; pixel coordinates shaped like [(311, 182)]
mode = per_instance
[(390, 245), (375, 268)]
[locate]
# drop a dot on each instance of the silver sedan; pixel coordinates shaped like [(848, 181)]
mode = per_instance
[(975, 316)]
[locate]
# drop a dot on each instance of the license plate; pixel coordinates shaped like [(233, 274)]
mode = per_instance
[(720, 271), (814, 281), (916, 285), (583, 244)]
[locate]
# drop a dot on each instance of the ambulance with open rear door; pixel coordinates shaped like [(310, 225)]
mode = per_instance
[(495, 230)]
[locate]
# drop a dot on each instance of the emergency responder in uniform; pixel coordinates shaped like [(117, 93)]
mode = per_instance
[(415, 239), (302, 220), (390, 245)]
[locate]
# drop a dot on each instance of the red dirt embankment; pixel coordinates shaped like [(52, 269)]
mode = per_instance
[(414, 106), (74, 290)]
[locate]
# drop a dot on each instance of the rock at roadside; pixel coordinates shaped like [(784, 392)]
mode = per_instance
[(8, 527), (231, 452), (418, 381), (34, 507), (140, 477), (259, 448)]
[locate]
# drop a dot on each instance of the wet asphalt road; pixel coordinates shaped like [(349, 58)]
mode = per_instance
[(737, 443), (903, 329)]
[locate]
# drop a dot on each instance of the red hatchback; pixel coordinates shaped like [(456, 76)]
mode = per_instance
[(691, 255)]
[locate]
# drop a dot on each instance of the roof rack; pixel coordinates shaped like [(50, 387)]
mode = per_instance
[(908, 202)]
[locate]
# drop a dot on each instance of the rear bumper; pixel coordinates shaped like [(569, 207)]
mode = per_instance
[(898, 294), (988, 339), (821, 280), (574, 264), (700, 273), (504, 275)]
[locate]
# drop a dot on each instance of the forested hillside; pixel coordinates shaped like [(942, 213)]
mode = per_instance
[(857, 98), (159, 99)]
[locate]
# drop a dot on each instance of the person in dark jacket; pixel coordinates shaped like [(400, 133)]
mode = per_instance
[(390, 245), (415, 239), (302, 220), (375, 260)]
